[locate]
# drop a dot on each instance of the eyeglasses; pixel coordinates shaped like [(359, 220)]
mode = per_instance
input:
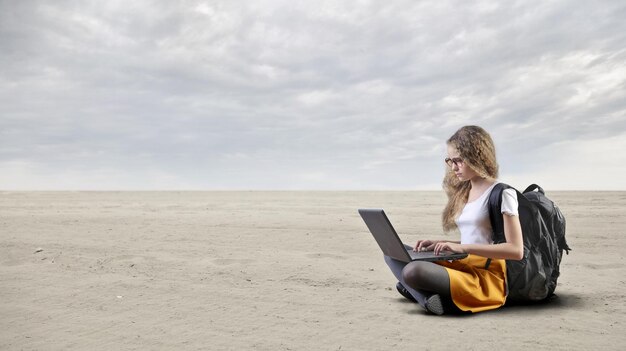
[(457, 161)]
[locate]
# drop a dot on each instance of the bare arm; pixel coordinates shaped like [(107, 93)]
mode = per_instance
[(512, 249)]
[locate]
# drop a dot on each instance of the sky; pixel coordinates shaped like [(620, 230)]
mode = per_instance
[(308, 95)]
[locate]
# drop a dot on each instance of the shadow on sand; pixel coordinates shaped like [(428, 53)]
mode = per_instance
[(559, 301), (555, 302)]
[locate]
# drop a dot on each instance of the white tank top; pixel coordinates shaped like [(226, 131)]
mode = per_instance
[(474, 223)]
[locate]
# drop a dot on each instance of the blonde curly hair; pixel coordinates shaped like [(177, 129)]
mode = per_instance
[(478, 152)]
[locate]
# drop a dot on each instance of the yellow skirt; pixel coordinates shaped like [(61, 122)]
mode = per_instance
[(474, 288)]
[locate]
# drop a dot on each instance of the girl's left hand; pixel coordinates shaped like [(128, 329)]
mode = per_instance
[(446, 246)]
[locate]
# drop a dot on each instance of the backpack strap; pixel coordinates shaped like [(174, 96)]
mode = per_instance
[(533, 187), (494, 206)]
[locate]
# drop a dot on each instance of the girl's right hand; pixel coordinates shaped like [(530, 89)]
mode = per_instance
[(425, 245)]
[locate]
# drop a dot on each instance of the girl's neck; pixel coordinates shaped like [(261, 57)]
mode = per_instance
[(480, 183)]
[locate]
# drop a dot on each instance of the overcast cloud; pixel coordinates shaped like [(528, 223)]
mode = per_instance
[(308, 95)]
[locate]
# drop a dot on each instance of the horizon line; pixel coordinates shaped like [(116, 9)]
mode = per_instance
[(270, 190)]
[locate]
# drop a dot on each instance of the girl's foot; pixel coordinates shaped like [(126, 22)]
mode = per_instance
[(434, 304), (404, 292)]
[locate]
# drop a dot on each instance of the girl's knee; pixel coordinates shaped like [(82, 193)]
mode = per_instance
[(413, 273)]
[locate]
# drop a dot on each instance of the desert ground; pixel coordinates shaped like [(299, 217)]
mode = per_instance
[(274, 271)]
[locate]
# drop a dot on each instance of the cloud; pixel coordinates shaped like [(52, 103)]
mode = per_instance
[(277, 94), (598, 171)]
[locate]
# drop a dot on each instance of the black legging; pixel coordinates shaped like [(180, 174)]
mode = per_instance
[(424, 279), (427, 276)]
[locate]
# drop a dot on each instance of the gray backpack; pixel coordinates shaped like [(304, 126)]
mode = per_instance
[(533, 278)]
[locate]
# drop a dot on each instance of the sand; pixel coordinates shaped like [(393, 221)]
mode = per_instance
[(273, 271)]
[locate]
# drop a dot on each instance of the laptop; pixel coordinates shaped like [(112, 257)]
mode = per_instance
[(388, 240)]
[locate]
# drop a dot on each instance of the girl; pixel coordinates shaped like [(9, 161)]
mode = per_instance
[(477, 282)]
